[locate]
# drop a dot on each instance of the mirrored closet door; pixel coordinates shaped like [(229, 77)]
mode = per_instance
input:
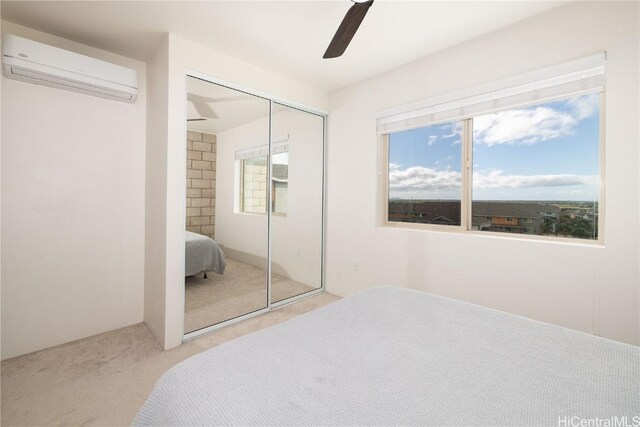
[(226, 219), (296, 188), (254, 215)]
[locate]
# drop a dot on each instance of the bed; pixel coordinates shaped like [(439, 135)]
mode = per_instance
[(202, 253), (391, 356)]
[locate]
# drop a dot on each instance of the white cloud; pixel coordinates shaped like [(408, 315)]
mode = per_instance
[(432, 139), (456, 130), (446, 159), (394, 166), (419, 178), (586, 106), (526, 126), (523, 126), (495, 179)]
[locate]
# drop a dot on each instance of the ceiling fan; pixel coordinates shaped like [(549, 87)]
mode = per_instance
[(200, 103), (347, 28), (204, 110)]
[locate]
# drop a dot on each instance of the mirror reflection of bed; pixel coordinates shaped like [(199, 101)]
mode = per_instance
[(226, 237), (228, 289)]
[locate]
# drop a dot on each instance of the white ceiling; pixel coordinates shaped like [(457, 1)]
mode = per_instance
[(288, 37), (231, 108)]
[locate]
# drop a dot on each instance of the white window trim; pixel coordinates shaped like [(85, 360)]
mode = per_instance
[(572, 78), (278, 145)]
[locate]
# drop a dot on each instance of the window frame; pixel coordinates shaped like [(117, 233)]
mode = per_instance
[(466, 201)]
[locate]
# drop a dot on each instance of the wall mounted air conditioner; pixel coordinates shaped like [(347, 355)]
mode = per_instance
[(45, 65)]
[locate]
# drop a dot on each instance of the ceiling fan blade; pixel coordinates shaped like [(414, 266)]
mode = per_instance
[(205, 110), (347, 29), (201, 106)]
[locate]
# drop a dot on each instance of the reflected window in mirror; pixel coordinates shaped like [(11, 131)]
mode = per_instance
[(279, 182), (253, 183)]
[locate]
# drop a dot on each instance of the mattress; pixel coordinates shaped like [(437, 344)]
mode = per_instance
[(202, 253), (390, 356)]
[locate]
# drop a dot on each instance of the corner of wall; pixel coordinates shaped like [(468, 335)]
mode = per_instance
[(155, 191)]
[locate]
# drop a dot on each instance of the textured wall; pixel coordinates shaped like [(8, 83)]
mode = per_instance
[(201, 183), (254, 192)]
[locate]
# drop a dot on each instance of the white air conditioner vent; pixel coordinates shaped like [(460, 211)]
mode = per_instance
[(45, 65)]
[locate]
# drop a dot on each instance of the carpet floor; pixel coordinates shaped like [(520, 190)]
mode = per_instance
[(105, 379), (240, 290)]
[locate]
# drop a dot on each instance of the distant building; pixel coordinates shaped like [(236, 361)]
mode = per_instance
[(510, 217), (514, 217), (444, 212)]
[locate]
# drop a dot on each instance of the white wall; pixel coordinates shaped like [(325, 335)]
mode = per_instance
[(73, 193), (296, 239), (296, 242), (592, 289), (156, 194), (184, 55), (242, 236)]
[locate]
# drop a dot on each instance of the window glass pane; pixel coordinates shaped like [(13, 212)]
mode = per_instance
[(254, 179), (536, 169), (254, 185), (425, 184), (280, 181)]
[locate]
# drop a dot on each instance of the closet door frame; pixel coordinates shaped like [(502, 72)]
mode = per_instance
[(270, 306)]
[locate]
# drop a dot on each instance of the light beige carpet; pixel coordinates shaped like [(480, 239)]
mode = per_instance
[(105, 379), (241, 289)]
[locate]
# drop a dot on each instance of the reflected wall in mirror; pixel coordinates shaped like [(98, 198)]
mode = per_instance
[(297, 159), (226, 229)]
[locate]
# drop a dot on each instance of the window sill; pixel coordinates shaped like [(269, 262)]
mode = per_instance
[(460, 230), (274, 214)]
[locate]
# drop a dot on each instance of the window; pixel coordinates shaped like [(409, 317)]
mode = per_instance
[(539, 165), (425, 183), (253, 183), (503, 162)]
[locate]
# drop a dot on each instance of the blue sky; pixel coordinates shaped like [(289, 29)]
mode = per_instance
[(541, 152)]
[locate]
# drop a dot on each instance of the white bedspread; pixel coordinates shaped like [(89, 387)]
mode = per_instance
[(202, 253), (389, 356)]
